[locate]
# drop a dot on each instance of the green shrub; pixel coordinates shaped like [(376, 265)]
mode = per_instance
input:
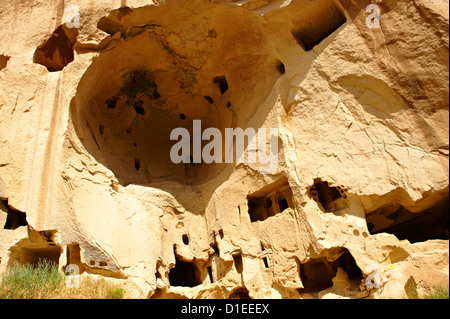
[(30, 282), (437, 293), (44, 281), (116, 293)]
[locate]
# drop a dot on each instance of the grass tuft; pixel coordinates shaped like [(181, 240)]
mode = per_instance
[(44, 281), (436, 293), (116, 293), (30, 282)]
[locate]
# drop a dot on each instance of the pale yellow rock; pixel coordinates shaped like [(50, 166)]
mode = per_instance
[(340, 288), (360, 190), (362, 294)]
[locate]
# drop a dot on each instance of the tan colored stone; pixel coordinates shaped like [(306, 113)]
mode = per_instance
[(361, 188)]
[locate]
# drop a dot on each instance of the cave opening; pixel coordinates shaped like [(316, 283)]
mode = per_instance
[(266, 262), (185, 239), (282, 203), (222, 83), (331, 199), (138, 92), (270, 200), (413, 224), (281, 67), (57, 52), (14, 218), (318, 273), (184, 274), (3, 61), (240, 293), (209, 99), (111, 103), (73, 254), (210, 273), (131, 119), (321, 19), (348, 263), (238, 262), (137, 164), (35, 255), (139, 107)]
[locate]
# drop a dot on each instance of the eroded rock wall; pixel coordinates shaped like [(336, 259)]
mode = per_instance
[(361, 187)]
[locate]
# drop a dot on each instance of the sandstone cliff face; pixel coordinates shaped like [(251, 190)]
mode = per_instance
[(361, 188)]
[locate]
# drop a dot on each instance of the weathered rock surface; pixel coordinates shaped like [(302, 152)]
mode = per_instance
[(360, 195)]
